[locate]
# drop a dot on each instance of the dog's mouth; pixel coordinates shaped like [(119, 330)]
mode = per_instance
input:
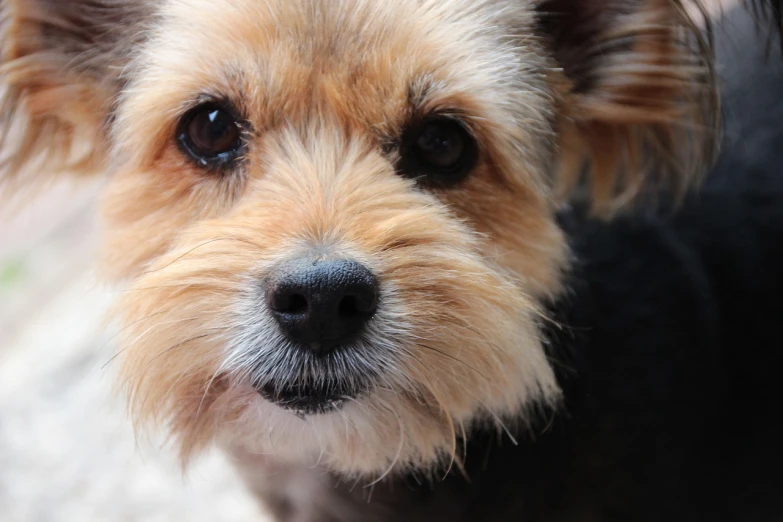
[(305, 399)]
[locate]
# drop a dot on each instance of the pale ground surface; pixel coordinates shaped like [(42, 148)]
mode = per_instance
[(67, 451)]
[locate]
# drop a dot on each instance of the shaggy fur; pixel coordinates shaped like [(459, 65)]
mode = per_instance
[(477, 281)]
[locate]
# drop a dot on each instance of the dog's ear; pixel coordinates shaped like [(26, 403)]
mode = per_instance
[(61, 65), (638, 94)]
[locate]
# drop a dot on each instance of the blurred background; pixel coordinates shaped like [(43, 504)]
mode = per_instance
[(67, 451)]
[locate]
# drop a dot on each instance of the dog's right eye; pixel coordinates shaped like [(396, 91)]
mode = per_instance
[(210, 135), (438, 151)]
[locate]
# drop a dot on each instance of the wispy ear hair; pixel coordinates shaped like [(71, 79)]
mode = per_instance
[(640, 107), (61, 66)]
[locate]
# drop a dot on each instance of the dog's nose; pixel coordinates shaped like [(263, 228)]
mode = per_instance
[(322, 304)]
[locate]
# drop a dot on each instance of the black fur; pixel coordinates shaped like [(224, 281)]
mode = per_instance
[(671, 358)]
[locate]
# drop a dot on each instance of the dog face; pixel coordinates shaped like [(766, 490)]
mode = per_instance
[(337, 218)]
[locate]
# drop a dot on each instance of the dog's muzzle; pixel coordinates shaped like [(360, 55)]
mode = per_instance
[(321, 307)]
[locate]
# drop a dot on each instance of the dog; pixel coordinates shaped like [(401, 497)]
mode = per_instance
[(396, 259)]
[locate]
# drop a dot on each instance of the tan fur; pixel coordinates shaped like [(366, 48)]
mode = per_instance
[(60, 65), (326, 88), (650, 118)]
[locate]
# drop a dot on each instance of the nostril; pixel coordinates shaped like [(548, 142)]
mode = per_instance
[(361, 301), (289, 303), (297, 304), (349, 307)]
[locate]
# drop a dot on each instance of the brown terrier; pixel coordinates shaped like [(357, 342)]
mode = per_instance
[(337, 218)]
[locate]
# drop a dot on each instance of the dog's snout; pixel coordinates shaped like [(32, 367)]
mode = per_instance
[(322, 304)]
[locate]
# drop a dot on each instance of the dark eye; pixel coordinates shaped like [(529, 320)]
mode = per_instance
[(210, 135), (438, 150)]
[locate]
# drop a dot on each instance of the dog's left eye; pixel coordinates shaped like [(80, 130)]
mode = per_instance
[(439, 150), (210, 135)]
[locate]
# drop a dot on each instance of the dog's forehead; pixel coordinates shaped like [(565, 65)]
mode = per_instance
[(334, 29), (366, 58)]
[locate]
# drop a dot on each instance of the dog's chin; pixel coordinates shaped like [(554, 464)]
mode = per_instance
[(305, 399)]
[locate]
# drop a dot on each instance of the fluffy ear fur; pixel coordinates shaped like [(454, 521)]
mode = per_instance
[(61, 64), (639, 100)]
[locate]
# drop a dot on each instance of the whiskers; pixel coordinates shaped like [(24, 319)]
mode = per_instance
[(197, 247), (148, 331)]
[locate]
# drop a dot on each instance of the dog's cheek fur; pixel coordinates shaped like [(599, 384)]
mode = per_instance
[(519, 222), (174, 336), (147, 205)]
